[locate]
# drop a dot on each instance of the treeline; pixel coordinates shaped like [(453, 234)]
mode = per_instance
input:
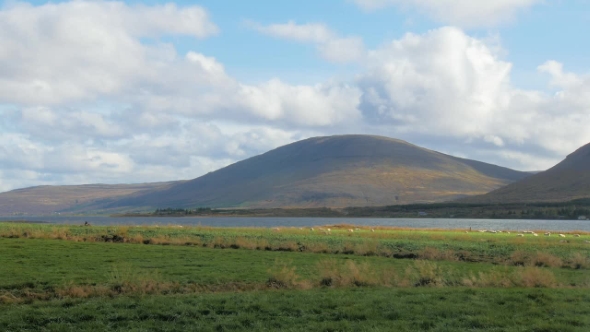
[(185, 212), (553, 210), (538, 210)]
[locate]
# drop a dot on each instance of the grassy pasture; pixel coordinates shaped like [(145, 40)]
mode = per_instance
[(63, 277)]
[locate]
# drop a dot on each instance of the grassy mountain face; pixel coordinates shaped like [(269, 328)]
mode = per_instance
[(49, 199), (568, 180), (335, 171)]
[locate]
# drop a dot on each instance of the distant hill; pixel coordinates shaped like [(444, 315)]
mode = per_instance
[(49, 199), (568, 180), (334, 171)]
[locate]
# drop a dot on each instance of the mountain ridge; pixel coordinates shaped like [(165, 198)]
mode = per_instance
[(331, 171), (566, 181)]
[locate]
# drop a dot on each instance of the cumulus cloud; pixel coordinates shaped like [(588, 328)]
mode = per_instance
[(465, 13), (82, 50), (445, 83), (330, 46)]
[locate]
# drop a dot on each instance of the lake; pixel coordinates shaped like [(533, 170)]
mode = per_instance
[(475, 224)]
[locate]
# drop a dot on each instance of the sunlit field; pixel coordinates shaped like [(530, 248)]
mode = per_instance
[(331, 278)]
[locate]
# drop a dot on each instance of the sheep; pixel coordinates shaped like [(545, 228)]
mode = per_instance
[(577, 235), (519, 235), (313, 230), (561, 235), (350, 230), (535, 234), (357, 229), (372, 230), (276, 229), (329, 230), (547, 234), (508, 232)]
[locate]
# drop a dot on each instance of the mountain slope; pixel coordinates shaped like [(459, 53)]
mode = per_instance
[(568, 180), (335, 171), (49, 199)]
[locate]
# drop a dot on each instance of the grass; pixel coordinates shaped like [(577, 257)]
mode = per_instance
[(61, 278), (348, 309), (501, 248)]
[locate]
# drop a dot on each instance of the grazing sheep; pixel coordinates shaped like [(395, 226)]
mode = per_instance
[(329, 230), (535, 234), (482, 231), (508, 232), (519, 235), (312, 229), (357, 229), (372, 230), (561, 235), (547, 234), (350, 230), (577, 235), (276, 229)]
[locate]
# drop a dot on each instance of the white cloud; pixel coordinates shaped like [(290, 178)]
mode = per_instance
[(465, 13), (446, 84), (320, 105), (81, 50), (330, 45)]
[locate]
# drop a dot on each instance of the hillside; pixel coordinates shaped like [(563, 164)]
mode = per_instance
[(335, 171), (49, 199), (568, 180)]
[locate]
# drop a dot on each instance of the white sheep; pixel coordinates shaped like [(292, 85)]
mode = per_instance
[(577, 235), (350, 230), (519, 235), (561, 235), (535, 234), (548, 234), (372, 230)]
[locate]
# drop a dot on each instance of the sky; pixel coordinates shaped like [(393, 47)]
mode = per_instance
[(129, 92)]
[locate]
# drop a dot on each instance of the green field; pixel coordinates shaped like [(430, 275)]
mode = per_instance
[(70, 278)]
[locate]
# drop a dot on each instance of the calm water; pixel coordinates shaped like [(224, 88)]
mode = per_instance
[(475, 224)]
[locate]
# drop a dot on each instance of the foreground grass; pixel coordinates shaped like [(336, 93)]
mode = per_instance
[(69, 278), (357, 309)]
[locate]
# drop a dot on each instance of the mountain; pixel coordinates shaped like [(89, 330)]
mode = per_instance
[(568, 180), (334, 171), (49, 199)]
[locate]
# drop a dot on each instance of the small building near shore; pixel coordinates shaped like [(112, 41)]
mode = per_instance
[(582, 218)]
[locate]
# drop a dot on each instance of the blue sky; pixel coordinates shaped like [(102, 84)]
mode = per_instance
[(120, 92)]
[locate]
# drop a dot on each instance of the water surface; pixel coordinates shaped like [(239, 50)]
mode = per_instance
[(448, 223)]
